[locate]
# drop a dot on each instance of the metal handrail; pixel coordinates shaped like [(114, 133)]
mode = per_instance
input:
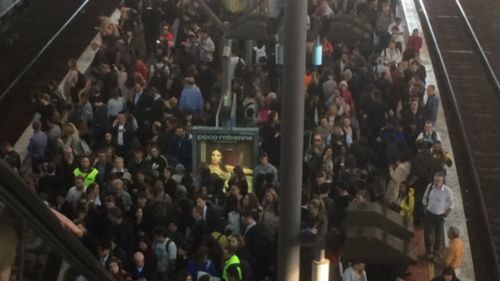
[(218, 112), (45, 47), (442, 66), (485, 59), (233, 112), (15, 194)]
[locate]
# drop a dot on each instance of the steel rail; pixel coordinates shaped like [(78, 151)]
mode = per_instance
[(448, 84)]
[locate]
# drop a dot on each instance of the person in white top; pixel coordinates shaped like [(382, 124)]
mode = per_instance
[(391, 54), (437, 203)]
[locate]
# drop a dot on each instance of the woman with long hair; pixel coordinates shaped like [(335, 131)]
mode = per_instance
[(270, 214), (317, 209), (217, 167), (116, 269), (327, 163)]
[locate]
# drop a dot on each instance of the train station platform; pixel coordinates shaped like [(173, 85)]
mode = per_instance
[(457, 217), (423, 270)]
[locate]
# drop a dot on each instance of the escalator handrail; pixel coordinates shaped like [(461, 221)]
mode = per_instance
[(15, 193)]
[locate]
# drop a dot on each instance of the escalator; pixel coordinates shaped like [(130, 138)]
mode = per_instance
[(34, 245)]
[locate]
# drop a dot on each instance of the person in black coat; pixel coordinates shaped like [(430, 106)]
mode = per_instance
[(99, 121), (255, 243), (157, 106), (141, 103), (199, 228), (140, 268), (180, 147), (151, 19), (207, 211), (50, 184), (412, 121), (121, 230), (123, 133)]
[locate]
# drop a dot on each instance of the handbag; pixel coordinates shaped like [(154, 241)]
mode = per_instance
[(82, 148)]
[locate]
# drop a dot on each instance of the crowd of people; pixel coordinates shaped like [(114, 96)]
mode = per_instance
[(112, 150)]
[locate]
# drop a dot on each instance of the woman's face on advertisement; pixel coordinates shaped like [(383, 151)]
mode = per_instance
[(216, 157)]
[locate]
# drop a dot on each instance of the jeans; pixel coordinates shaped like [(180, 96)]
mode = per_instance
[(433, 229)]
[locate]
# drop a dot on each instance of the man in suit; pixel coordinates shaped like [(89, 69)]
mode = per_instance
[(141, 103), (157, 106), (255, 243), (207, 211), (123, 133)]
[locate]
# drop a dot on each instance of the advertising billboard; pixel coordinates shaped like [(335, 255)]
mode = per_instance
[(221, 149)]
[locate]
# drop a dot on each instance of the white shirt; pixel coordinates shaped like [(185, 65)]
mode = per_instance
[(438, 200), (121, 129), (74, 195)]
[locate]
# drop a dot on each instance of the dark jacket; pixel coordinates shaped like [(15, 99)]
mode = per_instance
[(157, 110), (128, 135), (141, 108), (180, 149)]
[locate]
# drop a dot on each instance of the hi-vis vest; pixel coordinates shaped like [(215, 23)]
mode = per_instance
[(233, 260), (88, 177)]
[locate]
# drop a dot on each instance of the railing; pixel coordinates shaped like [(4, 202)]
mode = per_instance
[(15, 194), (217, 115), (45, 47), (447, 83)]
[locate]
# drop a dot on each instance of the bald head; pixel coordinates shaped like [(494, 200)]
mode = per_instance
[(139, 258)]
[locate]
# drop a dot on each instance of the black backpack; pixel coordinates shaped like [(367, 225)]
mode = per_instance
[(244, 266)]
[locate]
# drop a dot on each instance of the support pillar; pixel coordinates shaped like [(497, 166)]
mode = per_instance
[(292, 139)]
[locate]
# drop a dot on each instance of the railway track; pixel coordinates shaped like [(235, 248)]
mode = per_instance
[(473, 93), (16, 108)]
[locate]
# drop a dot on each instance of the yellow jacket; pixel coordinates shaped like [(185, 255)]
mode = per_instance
[(407, 204)]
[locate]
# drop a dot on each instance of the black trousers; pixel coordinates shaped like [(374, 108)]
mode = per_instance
[(433, 231)]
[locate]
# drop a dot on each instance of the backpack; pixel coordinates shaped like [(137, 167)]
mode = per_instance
[(244, 266), (241, 69), (80, 84)]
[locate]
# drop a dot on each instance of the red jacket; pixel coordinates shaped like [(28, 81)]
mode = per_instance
[(415, 42)]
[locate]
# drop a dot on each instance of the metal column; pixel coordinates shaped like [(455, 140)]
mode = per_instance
[(292, 139)]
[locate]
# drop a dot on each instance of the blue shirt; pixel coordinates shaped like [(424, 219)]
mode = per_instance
[(38, 145), (191, 100)]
